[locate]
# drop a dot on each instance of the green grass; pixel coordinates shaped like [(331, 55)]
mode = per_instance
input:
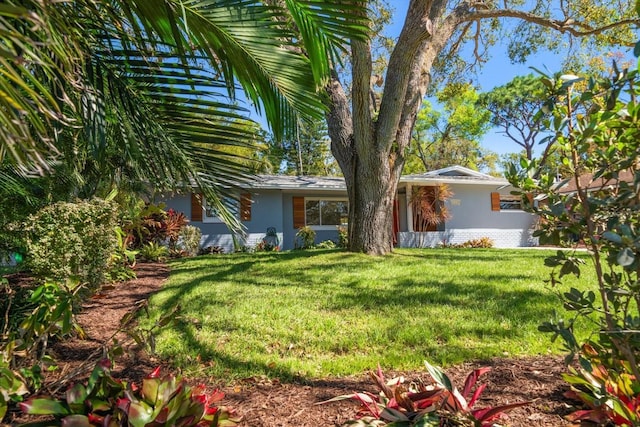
[(309, 314)]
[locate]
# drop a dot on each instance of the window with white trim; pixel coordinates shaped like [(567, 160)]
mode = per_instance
[(212, 214), (321, 212)]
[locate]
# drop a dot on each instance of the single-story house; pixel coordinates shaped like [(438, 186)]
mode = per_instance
[(480, 206)]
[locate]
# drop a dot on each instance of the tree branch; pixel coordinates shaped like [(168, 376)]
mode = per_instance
[(570, 26), (340, 127), (406, 56), (361, 84), (419, 79)]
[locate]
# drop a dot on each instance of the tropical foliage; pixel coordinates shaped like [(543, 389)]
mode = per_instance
[(158, 400), (598, 207), (138, 96), (109, 92), (418, 404)]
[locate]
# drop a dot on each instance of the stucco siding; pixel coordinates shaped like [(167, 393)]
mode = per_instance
[(265, 212), (471, 218), (470, 208), (287, 210)]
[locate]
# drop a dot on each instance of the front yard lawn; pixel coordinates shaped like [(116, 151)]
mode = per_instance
[(327, 312)]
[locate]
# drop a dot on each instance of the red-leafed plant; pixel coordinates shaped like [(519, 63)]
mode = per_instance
[(610, 395), (154, 224), (159, 400), (173, 225), (416, 404)]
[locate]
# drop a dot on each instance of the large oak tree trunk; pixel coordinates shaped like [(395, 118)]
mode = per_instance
[(369, 142), (371, 208)]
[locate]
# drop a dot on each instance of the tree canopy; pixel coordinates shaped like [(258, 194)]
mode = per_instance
[(450, 135), (516, 109)]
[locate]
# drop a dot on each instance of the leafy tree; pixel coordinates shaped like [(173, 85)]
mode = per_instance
[(370, 137), (451, 136), (596, 205), (145, 90), (308, 153), (516, 109)]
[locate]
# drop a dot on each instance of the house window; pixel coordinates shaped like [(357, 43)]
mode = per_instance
[(510, 202), (326, 212), (505, 202), (211, 214), (202, 211)]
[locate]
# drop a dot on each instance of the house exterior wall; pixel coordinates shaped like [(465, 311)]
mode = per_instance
[(287, 210), (266, 211), (472, 218), (470, 209)]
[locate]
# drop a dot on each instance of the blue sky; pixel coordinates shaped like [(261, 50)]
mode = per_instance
[(497, 71)]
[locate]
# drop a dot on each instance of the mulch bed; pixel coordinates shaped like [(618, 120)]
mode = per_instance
[(268, 402)]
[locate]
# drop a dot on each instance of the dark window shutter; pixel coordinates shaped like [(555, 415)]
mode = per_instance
[(196, 207), (495, 201), (245, 207), (298, 212)]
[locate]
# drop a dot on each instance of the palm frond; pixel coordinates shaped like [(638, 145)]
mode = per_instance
[(146, 89), (327, 27)]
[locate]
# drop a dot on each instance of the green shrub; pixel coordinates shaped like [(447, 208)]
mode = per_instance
[(154, 252), (189, 240), (343, 237), (305, 238), (122, 260), (66, 240), (596, 126), (27, 335), (326, 244)]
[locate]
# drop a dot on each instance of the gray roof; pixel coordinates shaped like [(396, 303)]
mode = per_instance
[(285, 182), (452, 174)]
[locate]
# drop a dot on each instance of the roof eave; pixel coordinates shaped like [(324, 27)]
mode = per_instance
[(419, 180)]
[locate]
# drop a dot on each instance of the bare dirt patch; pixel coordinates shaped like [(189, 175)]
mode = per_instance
[(264, 402)]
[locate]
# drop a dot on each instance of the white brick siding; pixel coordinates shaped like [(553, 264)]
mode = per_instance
[(501, 238)]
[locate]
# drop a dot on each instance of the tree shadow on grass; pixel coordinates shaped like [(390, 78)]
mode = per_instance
[(513, 306)]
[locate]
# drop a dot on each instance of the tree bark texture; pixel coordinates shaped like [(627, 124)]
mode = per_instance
[(369, 148), (369, 145)]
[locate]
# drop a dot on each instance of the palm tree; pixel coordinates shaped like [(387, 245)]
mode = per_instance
[(103, 91)]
